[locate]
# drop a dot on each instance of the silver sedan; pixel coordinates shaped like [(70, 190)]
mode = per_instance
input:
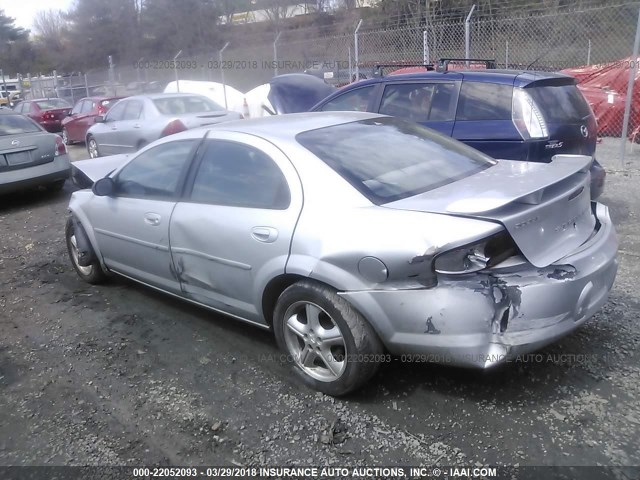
[(353, 236), (137, 121)]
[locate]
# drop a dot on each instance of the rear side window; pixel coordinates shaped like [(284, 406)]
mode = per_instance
[(353, 101), (420, 102), (484, 101), (389, 158), (237, 175), (560, 103)]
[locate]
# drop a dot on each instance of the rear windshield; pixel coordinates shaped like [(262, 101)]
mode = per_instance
[(16, 124), (182, 105), (52, 103), (388, 159), (561, 103)]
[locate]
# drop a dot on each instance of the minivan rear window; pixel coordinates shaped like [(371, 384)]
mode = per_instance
[(560, 103), (387, 158)]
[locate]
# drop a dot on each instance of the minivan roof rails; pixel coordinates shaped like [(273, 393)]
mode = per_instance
[(378, 72), (443, 63)]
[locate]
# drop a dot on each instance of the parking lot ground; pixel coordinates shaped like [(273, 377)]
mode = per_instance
[(120, 375)]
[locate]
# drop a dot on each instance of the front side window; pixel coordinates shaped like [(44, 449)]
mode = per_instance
[(133, 111), (420, 102), (117, 112), (78, 107), (155, 173), (353, 101), (388, 158), (87, 106), (237, 175)]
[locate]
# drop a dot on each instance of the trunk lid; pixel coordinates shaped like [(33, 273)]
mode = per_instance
[(96, 168), (56, 113), (546, 208), (207, 118), (27, 150)]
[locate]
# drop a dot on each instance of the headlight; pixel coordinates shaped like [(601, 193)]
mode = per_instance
[(477, 256)]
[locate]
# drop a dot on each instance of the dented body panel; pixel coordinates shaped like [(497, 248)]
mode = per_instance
[(493, 317)]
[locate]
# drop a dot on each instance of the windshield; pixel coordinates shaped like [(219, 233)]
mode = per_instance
[(388, 159), (52, 103), (182, 105), (16, 124)]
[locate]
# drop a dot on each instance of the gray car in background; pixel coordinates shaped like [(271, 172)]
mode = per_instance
[(137, 121), (29, 155)]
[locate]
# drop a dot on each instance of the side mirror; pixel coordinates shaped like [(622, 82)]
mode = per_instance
[(99, 119), (105, 187)]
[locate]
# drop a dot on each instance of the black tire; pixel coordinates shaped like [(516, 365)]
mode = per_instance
[(92, 144), (363, 349), (93, 273), (141, 144), (56, 186)]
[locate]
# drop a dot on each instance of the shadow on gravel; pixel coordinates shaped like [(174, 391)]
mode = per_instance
[(33, 198)]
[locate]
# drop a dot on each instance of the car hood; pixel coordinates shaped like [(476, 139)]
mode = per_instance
[(546, 208), (96, 168)]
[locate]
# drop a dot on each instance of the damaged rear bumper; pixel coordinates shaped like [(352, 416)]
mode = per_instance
[(487, 319)]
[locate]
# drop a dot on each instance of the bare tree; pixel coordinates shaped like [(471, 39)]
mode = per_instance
[(49, 27)]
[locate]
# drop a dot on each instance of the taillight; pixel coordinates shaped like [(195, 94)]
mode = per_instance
[(174, 126), (101, 110), (527, 116), (47, 116), (60, 148), (478, 256)]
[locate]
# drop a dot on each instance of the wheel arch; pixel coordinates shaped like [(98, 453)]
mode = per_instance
[(80, 217)]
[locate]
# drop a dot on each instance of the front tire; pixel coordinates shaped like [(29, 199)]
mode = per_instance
[(330, 346), (93, 272), (92, 147), (65, 137)]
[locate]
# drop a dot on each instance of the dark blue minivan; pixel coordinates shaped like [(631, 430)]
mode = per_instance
[(515, 115)]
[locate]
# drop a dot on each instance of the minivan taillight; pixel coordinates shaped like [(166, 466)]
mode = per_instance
[(527, 117), (174, 126)]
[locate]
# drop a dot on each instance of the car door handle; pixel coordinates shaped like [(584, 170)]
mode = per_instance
[(152, 219), (264, 234)]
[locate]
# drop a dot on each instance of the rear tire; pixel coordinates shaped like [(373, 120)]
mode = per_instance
[(92, 147), (330, 346), (92, 273), (56, 186)]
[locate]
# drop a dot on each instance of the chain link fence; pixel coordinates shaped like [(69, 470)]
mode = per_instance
[(544, 40)]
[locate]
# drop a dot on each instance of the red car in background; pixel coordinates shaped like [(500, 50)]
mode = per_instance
[(83, 115), (48, 112)]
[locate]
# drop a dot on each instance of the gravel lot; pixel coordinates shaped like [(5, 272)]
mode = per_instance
[(121, 375)]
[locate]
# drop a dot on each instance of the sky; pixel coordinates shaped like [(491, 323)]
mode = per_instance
[(24, 10)]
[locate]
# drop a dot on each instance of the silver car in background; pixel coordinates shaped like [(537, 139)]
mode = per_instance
[(353, 236), (137, 121), (29, 155)]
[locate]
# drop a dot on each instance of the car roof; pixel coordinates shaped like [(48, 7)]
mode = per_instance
[(519, 78), (155, 96), (8, 111), (284, 127)]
